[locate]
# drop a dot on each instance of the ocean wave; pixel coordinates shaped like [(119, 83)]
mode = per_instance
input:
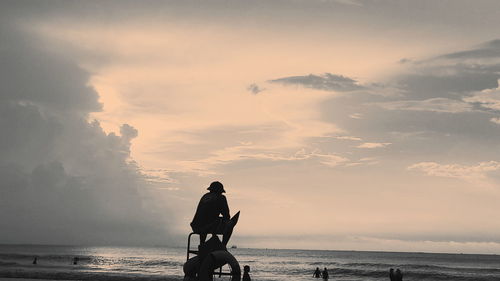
[(124, 264), (160, 263), (3, 263), (322, 264), (370, 274), (415, 275), (47, 260), (286, 262), (86, 276), (407, 266), (14, 256)]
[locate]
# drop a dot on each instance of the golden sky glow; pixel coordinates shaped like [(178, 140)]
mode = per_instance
[(373, 155)]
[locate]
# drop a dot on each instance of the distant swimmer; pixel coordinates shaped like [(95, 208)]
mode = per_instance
[(246, 275), (391, 274), (324, 274), (35, 260), (317, 273), (398, 276), (75, 260)]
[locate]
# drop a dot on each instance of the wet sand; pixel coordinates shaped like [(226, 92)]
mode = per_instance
[(28, 279)]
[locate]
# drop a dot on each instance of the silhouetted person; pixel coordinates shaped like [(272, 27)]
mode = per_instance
[(246, 275), (206, 219), (325, 274), (35, 260), (398, 276), (317, 273), (391, 274), (75, 260)]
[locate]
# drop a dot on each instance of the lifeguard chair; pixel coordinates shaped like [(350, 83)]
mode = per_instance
[(206, 259)]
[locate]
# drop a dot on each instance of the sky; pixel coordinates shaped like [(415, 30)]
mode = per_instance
[(333, 124)]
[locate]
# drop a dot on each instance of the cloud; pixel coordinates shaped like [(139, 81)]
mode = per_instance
[(487, 50), (350, 2), (63, 179), (356, 116), (234, 154), (455, 74), (326, 82), (446, 81), (487, 99), (434, 105), (415, 98), (363, 162), (373, 144), (405, 60), (179, 113), (254, 88), (471, 173), (348, 138), (495, 120)]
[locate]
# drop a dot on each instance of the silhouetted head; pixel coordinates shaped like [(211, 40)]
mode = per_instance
[(216, 187), (392, 269), (325, 268), (246, 268), (317, 268)]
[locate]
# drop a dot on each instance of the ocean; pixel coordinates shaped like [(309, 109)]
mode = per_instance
[(163, 263)]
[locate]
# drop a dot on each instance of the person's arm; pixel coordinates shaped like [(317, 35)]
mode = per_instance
[(225, 208)]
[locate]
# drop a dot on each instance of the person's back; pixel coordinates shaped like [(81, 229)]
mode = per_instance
[(211, 205), (398, 276), (317, 273), (325, 274), (391, 274)]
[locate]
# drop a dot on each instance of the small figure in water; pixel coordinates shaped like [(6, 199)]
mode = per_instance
[(246, 275), (35, 260), (391, 274), (398, 276), (317, 273), (325, 274), (75, 260)]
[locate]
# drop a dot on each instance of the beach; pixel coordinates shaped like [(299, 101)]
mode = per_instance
[(26, 279)]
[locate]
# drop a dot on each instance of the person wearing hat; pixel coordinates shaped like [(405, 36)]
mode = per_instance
[(206, 219)]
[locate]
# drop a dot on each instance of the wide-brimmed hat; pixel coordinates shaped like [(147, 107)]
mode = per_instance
[(216, 187)]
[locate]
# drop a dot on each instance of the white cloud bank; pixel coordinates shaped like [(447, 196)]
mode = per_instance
[(471, 173)]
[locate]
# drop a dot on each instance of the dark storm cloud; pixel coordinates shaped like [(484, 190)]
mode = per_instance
[(327, 82), (456, 77), (64, 180), (489, 49), (448, 81), (455, 74), (65, 89), (457, 16)]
